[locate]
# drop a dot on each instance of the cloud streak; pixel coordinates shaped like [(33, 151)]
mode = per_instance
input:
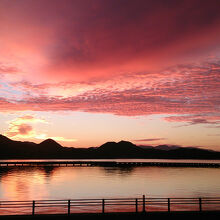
[(193, 119), (150, 139)]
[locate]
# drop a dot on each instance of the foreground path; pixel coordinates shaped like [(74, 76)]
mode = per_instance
[(127, 216)]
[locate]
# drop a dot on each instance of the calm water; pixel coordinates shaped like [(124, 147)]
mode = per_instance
[(28, 183), (34, 183)]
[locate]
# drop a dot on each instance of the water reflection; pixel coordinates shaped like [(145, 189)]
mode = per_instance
[(122, 171), (24, 183), (47, 170), (28, 183)]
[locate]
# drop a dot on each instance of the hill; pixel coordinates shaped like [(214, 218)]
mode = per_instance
[(49, 149), (122, 149)]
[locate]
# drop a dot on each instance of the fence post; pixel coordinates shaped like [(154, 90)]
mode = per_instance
[(136, 204), (200, 204), (143, 203), (168, 203), (33, 208), (68, 207), (103, 206)]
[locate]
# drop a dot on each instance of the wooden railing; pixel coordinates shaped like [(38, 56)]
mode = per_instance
[(101, 205)]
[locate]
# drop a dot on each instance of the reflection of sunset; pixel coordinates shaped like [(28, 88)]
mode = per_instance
[(24, 185), (98, 182)]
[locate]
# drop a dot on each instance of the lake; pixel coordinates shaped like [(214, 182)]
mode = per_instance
[(34, 183)]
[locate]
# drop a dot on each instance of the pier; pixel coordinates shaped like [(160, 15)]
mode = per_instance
[(105, 164)]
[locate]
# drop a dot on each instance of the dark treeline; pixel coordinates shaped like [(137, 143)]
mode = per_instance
[(49, 149)]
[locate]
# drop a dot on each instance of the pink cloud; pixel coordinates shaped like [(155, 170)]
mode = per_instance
[(111, 57), (7, 69), (20, 127), (24, 129), (74, 40), (190, 89)]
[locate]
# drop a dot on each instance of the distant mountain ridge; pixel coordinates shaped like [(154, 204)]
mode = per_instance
[(50, 149), (161, 147)]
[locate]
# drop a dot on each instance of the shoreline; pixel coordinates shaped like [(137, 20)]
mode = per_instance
[(92, 163)]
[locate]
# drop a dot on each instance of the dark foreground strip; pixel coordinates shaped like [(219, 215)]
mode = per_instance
[(127, 216)]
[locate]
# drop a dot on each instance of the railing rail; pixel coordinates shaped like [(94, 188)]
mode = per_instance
[(141, 204)]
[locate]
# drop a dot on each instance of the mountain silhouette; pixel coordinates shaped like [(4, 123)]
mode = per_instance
[(4, 139), (50, 149), (50, 144), (122, 149)]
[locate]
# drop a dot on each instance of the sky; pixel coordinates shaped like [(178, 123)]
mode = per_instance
[(87, 72)]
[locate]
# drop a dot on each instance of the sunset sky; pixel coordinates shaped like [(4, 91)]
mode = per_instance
[(85, 72)]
